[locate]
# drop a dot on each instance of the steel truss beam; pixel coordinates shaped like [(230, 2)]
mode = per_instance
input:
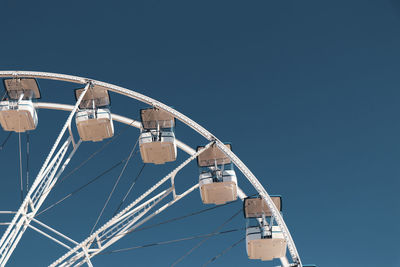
[(124, 222), (51, 170)]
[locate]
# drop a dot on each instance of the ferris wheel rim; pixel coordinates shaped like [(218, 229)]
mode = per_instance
[(184, 119)]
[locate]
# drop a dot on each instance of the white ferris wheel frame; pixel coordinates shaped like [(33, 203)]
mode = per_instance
[(132, 216)]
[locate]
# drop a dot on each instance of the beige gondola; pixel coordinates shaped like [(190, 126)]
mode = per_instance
[(217, 180), (18, 113), (263, 242), (157, 138), (93, 119), (265, 247)]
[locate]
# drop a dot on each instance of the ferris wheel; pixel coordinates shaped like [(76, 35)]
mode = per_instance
[(90, 120)]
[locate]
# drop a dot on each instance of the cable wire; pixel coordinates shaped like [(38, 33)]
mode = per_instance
[(129, 190), (206, 238), (27, 160), (172, 241), (81, 187), (20, 166), (115, 186), (167, 221), (224, 251), (178, 218), (164, 222), (5, 141)]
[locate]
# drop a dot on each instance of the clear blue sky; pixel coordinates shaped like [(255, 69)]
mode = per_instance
[(307, 92)]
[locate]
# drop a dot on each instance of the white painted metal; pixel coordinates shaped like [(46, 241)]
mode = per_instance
[(39, 190), (242, 167), (44, 233), (54, 231), (49, 236)]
